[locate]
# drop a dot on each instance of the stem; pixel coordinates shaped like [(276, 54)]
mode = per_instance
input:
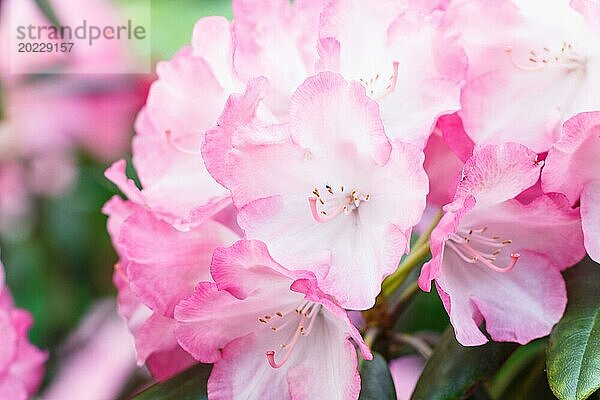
[(418, 253), (393, 282), (409, 292), (415, 342), (427, 234)]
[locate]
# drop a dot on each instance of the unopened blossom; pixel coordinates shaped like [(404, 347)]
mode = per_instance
[(532, 65), (573, 168), (159, 265), (406, 54), (21, 363), (497, 259), (327, 188), (272, 333)]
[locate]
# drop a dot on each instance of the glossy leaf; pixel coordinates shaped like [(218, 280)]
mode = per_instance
[(574, 347), (189, 385), (377, 383), (454, 371)]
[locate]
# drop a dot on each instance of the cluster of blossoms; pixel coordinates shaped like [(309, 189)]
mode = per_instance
[(45, 119), (21, 363), (285, 158)]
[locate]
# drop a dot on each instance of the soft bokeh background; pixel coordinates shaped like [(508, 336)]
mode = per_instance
[(59, 259)]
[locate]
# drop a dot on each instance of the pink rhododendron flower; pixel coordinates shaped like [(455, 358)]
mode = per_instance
[(408, 58), (531, 61), (405, 372), (327, 188), (158, 267), (21, 363), (573, 168), (193, 87), (498, 260), (271, 333)]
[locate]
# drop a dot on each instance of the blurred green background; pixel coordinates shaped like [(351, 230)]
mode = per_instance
[(64, 261)]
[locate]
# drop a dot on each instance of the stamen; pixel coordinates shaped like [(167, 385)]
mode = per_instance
[(180, 149), (322, 216), (514, 62), (290, 347), (463, 247)]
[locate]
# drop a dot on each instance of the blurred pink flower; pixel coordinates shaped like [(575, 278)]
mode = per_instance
[(573, 168), (100, 361), (104, 55), (263, 324), (326, 188), (498, 260), (21, 363), (406, 55), (532, 65), (405, 372)]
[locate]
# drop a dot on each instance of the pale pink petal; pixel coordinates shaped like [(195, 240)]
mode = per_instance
[(361, 50), (333, 373), (244, 361), (156, 334), (213, 42), (573, 160), (218, 313), (517, 306), (498, 173), (405, 372), (164, 271), (590, 9), (547, 225), (410, 112), (9, 336), (313, 109), (169, 363), (269, 31), (11, 389)]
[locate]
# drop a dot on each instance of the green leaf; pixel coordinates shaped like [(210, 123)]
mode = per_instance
[(531, 382), (48, 11), (454, 371), (574, 348), (376, 380), (189, 385)]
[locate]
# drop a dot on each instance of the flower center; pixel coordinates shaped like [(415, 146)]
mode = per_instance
[(566, 57), (327, 204), (378, 87), (304, 315), (474, 247)]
